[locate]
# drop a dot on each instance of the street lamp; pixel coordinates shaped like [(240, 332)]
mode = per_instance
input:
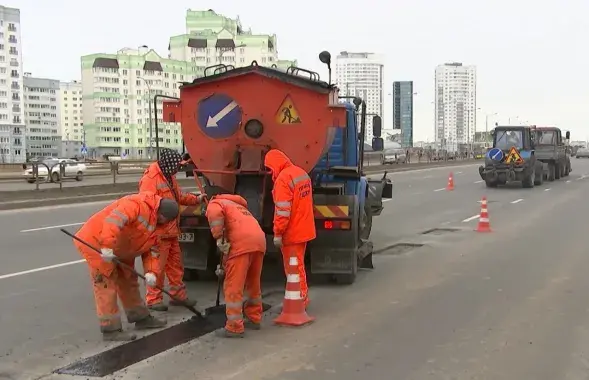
[(150, 151), (487, 124)]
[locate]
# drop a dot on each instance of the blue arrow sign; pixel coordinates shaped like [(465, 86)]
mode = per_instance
[(496, 154), (219, 116)]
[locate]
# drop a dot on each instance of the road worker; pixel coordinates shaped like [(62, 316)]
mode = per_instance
[(124, 230), (160, 178), (242, 244), (294, 223)]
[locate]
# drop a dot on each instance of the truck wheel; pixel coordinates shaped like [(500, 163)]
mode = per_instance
[(490, 183), (567, 169), (528, 182), (348, 278), (190, 275), (551, 172), (539, 179)]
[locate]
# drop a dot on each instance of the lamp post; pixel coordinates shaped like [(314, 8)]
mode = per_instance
[(487, 124), (150, 151)]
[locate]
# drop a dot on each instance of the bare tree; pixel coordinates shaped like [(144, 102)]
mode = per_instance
[(3, 153)]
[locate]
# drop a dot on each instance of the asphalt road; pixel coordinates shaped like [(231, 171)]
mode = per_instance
[(510, 304)]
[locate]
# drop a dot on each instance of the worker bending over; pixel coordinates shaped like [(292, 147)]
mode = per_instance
[(294, 223), (160, 178), (124, 230), (242, 244)]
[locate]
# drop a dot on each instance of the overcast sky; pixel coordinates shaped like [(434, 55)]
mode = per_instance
[(531, 55)]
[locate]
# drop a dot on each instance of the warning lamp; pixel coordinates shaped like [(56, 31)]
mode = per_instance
[(328, 224), (254, 129), (337, 224)]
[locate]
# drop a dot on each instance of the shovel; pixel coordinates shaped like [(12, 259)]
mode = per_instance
[(132, 270), (218, 308)]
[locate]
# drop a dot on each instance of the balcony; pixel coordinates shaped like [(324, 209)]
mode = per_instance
[(14, 64), (11, 28), (15, 87), (16, 120), (16, 109), (13, 40)]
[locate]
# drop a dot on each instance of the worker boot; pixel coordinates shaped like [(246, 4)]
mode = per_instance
[(224, 333), (187, 301), (150, 322), (118, 336), (249, 325), (160, 306)]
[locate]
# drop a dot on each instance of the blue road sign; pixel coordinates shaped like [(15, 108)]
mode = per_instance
[(219, 116), (496, 154), (84, 149)]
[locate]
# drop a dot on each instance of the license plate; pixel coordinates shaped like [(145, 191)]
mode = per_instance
[(186, 237)]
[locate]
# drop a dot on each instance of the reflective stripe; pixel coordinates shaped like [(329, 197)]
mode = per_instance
[(146, 224), (292, 295), (217, 222), (109, 317), (283, 213), (233, 305), (293, 278), (228, 202), (235, 317), (155, 254), (283, 204), (298, 179), (253, 301), (177, 287), (116, 222), (160, 186), (293, 261), (123, 217)]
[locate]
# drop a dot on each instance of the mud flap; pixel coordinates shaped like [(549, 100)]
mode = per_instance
[(377, 190), (365, 255)]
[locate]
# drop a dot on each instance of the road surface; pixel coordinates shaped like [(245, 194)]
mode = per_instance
[(510, 304)]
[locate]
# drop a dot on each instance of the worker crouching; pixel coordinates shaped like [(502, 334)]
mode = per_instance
[(294, 222), (124, 230), (159, 178), (242, 244)]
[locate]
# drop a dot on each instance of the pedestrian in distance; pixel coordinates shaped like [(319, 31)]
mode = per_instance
[(124, 230), (242, 244), (294, 222), (160, 178)]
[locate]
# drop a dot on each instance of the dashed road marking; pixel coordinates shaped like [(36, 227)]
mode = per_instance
[(471, 218), (569, 181), (547, 189), (52, 227), (443, 188), (481, 181), (458, 172), (5, 276), (517, 201)]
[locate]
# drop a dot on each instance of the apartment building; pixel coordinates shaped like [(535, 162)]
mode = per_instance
[(403, 111), (213, 39), (12, 127), (42, 117), (361, 74), (455, 105), (72, 122)]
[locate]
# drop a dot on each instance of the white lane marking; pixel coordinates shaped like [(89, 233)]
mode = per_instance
[(547, 189), (5, 276), (443, 188), (386, 199), (581, 177), (569, 181), (53, 208), (471, 218), (52, 227), (481, 181), (516, 201), (458, 172)]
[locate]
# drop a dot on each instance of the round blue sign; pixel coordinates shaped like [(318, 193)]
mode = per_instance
[(496, 154), (219, 116)]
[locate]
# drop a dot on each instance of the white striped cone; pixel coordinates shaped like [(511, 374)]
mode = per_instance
[(293, 307), (484, 225)]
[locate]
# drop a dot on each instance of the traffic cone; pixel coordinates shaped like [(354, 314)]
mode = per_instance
[(293, 307), (484, 225), (450, 185)]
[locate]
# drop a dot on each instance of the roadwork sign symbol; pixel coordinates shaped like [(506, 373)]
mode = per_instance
[(219, 116), (513, 156), (287, 113)]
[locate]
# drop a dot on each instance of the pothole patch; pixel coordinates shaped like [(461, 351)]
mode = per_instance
[(439, 231), (397, 249)]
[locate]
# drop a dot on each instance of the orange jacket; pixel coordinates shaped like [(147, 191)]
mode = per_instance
[(293, 199), (229, 214), (128, 226), (154, 181)]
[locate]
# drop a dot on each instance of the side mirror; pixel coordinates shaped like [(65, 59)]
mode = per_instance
[(568, 135), (492, 133)]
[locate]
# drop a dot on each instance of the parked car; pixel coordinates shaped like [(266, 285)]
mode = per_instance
[(394, 156), (582, 153), (73, 169)]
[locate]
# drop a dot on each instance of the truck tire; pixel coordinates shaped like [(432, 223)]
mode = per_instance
[(539, 180), (528, 181), (348, 278), (551, 171), (490, 183), (557, 171)]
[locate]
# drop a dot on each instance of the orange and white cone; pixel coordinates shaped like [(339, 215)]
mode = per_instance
[(450, 185), (293, 307), (484, 225)]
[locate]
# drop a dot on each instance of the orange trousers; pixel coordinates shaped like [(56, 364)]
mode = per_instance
[(243, 272), (297, 250), (172, 267), (120, 284)]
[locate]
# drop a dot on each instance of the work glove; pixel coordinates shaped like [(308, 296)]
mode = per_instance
[(277, 241), (107, 255), (150, 279), (220, 272), (223, 246), (200, 197)]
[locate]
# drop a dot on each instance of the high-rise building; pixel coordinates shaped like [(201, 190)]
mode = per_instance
[(403, 111), (12, 127), (361, 74), (213, 39), (72, 121), (455, 105), (118, 89), (42, 117)]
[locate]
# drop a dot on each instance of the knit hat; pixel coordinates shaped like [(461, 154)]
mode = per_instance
[(168, 208)]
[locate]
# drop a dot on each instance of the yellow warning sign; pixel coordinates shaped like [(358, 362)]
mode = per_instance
[(514, 156), (287, 113)]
